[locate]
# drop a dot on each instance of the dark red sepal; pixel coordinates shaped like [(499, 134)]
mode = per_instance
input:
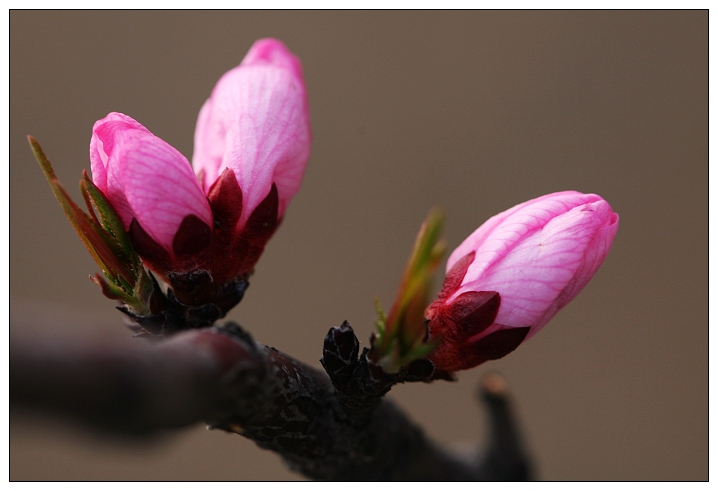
[(467, 315), (148, 249), (473, 312), (192, 237), (225, 199), (455, 276), (498, 344), (494, 346), (258, 229), (263, 221)]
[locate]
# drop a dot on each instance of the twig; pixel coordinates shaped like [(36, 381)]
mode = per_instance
[(505, 458)]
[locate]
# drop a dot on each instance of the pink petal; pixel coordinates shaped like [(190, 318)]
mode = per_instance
[(273, 52), (540, 256), (514, 216), (257, 123), (209, 142), (595, 252), (98, 152), (146, 178)]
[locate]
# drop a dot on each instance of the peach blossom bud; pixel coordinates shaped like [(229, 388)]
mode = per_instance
[(204, 233), (512, 275), (150, 183), (256, 123)]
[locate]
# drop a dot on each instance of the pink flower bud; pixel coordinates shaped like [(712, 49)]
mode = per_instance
[(204, 233), (146, 180), (256, 123), (512, 275)]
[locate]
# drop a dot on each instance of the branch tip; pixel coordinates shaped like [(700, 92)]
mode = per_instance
[(494, 384)]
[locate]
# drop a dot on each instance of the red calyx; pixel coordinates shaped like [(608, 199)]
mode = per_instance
[(204, 259), (460, 323), (225, 199), (261, 225)]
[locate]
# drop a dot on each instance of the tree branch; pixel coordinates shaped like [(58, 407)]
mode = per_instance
[(221, 376)]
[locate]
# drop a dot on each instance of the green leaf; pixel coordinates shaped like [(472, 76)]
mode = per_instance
[(111, 291), (402, 332), (380, 322), (110, 220), (68, 206), (105, 239)]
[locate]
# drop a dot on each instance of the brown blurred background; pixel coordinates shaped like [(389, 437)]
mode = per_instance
[(474, 111)]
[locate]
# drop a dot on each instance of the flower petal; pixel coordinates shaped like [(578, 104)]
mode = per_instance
[(257, 123), (540, 260), (145, 178), (102, 143), (513, 219)]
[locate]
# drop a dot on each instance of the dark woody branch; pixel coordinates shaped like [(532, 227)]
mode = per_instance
[(221, 376)]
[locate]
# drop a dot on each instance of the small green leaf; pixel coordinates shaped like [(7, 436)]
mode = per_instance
[(380, 322), (110, 290), (105, 239), (402, 332), (61, 195), (109, 219)]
